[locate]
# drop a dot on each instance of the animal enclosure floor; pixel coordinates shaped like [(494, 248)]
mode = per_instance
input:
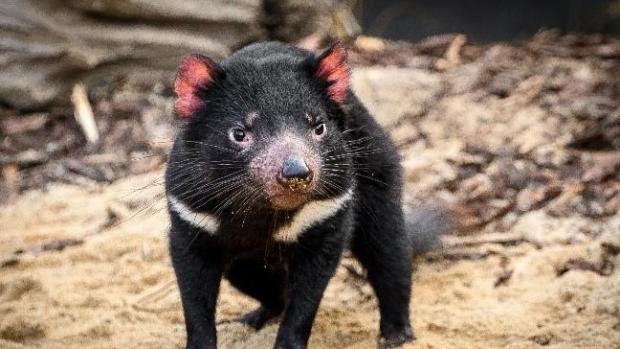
[(112, 285)]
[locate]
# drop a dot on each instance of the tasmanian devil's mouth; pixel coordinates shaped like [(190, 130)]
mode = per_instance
[(296, 184), (289, 200)]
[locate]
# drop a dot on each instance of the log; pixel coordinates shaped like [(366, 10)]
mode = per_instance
[(47, 46)]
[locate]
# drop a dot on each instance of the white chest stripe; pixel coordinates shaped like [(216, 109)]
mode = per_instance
[(204, 221), (312, 213)]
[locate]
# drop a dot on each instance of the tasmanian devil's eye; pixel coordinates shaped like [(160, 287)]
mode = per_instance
[(238, 134), (319, 129)]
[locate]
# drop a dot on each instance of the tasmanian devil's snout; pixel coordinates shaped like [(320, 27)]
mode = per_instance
[(287, 170)]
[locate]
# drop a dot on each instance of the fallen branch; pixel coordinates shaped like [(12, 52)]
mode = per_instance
[(84, 113), (56, 245), (603, 268), (504, 239), (153, 295), (28, 157)]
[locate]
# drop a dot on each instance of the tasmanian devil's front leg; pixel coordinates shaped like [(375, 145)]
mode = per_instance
[(198, 275), (312, 265)]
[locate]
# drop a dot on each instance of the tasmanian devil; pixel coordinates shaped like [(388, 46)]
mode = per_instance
[(278, 169)]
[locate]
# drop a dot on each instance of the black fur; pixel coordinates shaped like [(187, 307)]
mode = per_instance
[(209, 174)]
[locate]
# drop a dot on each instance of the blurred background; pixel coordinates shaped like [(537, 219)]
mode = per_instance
[(507, 112), (485, 20)]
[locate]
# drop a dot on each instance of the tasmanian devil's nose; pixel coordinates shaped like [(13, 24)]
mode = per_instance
[(295, 173), (295, 167)]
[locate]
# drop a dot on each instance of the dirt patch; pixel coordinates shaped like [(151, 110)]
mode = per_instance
[(117, 289)]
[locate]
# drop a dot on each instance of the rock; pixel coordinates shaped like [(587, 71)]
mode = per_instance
[(392, 93)]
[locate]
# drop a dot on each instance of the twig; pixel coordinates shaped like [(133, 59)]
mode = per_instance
[(28, 157), (56, 245), (89, 172), (354, 273), (492, 238), (9, 262), (84, 113), (452, 57), (460, 255), (154, 294), (503, 277)]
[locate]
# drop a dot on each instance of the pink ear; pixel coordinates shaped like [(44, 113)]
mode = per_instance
[(195, 72), (332, 67)]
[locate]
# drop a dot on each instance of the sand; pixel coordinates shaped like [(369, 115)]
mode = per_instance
[(117, 290)]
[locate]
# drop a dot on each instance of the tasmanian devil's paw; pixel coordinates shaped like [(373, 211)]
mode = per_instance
[(396, 339), (258, 318)]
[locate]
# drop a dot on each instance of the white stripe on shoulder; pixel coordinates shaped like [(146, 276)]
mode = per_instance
[(312, 213), (204, 221)]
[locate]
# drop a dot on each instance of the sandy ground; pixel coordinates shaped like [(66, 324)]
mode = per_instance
[(536, 263), (116, 289)]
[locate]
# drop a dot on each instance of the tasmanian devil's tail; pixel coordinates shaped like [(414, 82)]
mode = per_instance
[(426, 225)]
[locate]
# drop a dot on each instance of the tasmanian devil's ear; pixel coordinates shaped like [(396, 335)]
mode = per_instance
[(195, 73), (331, 67)]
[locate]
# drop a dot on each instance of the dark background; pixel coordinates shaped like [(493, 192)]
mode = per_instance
[(486, 20)]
